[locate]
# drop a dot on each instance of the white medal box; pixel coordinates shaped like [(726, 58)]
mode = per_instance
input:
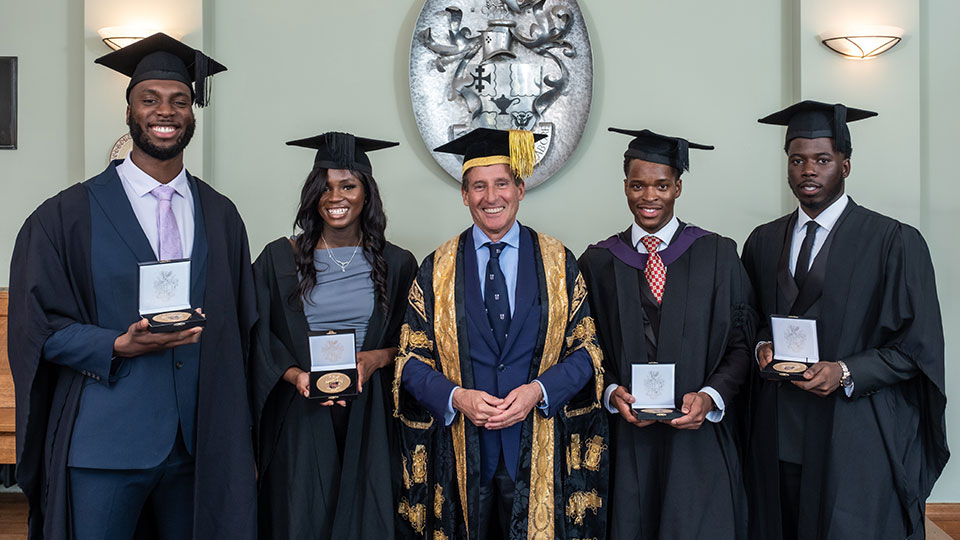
[(333, 364), (653, 390), (795, 348), (165, 296)]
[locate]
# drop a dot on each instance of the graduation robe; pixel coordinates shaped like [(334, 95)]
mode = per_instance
[(304, 492), (563, 462), (875, 294), (667, 483), (51, 287)]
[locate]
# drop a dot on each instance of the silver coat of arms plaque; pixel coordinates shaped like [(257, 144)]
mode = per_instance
[(503, 64)]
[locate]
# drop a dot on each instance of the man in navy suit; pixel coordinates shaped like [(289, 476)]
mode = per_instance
[(122, 431), (498, 333)]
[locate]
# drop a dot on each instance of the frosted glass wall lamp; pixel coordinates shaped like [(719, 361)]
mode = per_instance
[(117, 37), (862, 42)]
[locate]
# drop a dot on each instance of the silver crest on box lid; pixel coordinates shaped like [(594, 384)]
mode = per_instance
[(502, 64)]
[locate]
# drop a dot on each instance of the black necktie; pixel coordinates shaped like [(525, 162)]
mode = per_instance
[(495, 295), (803, 260)]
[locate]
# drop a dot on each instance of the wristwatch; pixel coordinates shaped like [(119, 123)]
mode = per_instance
[(846, 381)]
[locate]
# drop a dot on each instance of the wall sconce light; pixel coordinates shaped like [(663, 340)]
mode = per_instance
[(864, 42), (117, 37)]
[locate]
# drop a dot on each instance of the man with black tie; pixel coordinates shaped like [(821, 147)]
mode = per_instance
[(499, 356), (120, 429), (853, 449)]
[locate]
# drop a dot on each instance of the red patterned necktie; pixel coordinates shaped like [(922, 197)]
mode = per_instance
[(655, 271)]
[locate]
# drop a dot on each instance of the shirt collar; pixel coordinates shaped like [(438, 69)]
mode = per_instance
[(512, 238), (142, 183), (828, 218), (665, 234)]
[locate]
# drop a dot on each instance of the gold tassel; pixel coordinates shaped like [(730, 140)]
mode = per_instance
[(523, 154)]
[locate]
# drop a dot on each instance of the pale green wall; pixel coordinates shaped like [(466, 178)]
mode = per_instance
[(701, 69), (50, 110)]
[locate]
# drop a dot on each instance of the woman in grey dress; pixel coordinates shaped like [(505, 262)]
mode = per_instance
[(326, 470)]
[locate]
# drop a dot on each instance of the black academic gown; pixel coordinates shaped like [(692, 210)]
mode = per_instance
[(304, 491), (667, 483), (868, 461), (51, 288)]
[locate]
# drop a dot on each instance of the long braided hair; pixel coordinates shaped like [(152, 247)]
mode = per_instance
[(373, 223)]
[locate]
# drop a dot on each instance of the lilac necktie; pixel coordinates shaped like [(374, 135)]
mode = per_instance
[(167, 224)]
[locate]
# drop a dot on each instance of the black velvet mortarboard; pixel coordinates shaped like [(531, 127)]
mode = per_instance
[(485, 146), (337, 150), (656, 148), (813, 120), (160, 57)]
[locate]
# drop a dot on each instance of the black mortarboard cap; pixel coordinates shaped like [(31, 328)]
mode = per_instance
[(160, 57), (813, 120), (485, 146), (337, 150), (656, 148)]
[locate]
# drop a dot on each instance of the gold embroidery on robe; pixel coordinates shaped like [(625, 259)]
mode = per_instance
[(420, 464), (595, 448), (415, 297), (540, 516), (438, 535), (575, 451), (416, 514), (579, 295), (580, 502), (407, 483), (438, 502), (448, 351), (409, 339)]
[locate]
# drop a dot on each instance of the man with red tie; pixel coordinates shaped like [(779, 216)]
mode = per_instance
[(669, 294)]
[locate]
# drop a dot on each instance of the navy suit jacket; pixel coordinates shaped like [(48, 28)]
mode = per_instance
[(130, 410), (495, 371)]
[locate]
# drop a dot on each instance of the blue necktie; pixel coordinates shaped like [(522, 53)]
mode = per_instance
[(495, 295)]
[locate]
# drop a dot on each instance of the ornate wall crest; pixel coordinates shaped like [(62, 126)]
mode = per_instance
[(504, 64)]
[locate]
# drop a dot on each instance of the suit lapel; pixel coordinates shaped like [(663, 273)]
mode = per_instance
[(108, 193), (475, 309), (813, 286), (527, 288)]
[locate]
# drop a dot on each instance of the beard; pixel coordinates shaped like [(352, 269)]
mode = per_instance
[(156, 152)]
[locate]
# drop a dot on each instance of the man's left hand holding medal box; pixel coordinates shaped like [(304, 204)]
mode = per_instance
[(333, 365), (165, 296)]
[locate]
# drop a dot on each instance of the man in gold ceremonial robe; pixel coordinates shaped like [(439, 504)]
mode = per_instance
[(498, 378)]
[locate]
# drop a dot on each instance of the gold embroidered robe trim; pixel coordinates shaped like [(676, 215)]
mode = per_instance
[(540, 516), (580, 502), (409, 340), (448, 350), (583, 336), (415, 297)]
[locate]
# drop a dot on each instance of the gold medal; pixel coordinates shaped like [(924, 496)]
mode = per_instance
[(333, 383), (657, 412), (172, 317), (790, 367)]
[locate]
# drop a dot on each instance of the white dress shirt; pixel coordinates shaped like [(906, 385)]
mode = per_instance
[(826, 221), (665, 234), (138, 184)]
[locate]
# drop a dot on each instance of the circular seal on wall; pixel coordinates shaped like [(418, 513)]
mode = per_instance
[(502, 64)]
